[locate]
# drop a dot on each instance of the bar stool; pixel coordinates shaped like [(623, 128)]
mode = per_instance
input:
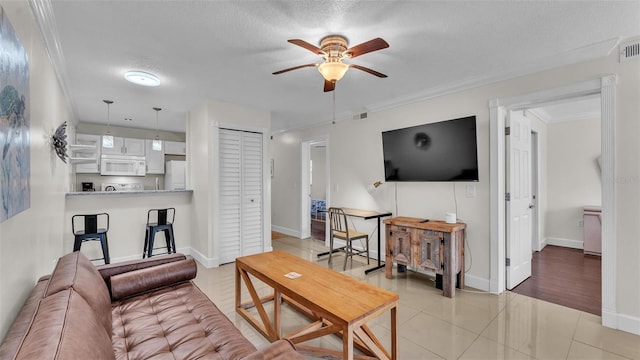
[(91, 232), (163, 222)]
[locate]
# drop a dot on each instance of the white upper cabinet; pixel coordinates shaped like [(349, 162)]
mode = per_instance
[(154, 158), (175, 148), (85, 153), (124, 146)]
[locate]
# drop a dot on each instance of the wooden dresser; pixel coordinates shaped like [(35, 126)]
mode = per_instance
[(422, 246)]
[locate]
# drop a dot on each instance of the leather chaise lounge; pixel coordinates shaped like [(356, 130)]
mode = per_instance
[(141, 309)]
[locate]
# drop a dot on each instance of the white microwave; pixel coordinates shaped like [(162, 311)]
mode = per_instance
[(122, 165)]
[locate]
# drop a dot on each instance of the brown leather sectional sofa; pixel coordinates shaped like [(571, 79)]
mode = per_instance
[(143, 309)]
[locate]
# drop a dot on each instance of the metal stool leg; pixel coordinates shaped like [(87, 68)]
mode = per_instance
[(105, 248), (152, 236)]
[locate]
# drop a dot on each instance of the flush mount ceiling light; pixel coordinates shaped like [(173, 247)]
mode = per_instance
[(142, 78)]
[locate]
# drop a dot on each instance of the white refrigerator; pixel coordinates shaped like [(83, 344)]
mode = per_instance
[(175, 175)]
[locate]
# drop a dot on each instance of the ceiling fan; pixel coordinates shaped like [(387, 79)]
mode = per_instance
[(333, 49)]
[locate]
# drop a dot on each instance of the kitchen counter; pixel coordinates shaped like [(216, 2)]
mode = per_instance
[(89, 193), (128, 211)]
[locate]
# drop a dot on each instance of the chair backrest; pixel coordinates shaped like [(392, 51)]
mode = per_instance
[(90, 223), (338, 220), (161, 216)]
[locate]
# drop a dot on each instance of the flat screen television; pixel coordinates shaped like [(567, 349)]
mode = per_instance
[(440, 151)]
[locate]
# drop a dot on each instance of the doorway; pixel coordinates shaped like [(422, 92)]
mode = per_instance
[(604, 86), (314, 186), (561, 272)]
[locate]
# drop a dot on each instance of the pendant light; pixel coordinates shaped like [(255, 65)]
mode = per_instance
[(157, 143), (107, 139)]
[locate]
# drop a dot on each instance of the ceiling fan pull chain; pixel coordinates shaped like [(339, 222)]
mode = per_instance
[(334, 107)]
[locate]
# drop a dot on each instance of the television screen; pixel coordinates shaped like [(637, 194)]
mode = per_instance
[(441, 151)]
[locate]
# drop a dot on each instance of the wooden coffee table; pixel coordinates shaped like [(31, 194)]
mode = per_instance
[(335, 303)]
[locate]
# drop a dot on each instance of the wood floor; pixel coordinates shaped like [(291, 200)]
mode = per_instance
[(566, 277)]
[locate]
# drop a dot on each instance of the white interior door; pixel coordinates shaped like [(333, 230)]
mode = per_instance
[(252, 230), (518, 209), (241, 194)]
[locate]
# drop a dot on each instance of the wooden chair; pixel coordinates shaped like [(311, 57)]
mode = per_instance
[(340, 230)]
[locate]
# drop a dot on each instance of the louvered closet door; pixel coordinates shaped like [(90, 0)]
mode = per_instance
[(240, 194)]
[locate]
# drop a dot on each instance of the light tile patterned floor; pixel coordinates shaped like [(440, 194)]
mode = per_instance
[(472, 325)]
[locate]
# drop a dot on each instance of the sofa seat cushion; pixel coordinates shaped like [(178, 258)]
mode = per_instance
[(177, 322)]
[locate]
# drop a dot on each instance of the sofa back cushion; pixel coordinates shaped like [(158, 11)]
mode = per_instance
[(66, 327), (77, 272)]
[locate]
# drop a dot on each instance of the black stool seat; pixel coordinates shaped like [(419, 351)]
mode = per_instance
[(162, 221), (91, 232)]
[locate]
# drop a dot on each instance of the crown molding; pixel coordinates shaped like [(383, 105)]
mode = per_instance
[(42, 11)]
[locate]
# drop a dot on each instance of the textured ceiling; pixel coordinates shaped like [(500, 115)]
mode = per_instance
[(227, 50)]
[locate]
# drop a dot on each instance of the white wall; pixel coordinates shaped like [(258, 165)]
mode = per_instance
[(356, 162), (203, 123), (573, 177), (31, 241)]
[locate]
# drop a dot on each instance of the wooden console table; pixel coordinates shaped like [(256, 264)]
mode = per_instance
[(433, 245)]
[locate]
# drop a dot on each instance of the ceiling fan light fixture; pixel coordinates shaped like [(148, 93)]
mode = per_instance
[(142, 78), (333, 71)]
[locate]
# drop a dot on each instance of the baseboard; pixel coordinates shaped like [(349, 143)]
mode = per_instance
[(205, 261), (630, 324), (287, 231), (574, 244), (185, 250), (476, 282)]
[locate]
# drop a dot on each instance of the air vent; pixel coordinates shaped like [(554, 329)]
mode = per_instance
[(630, 51), (360, 116)]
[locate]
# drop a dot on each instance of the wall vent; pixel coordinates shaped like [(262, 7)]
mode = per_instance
[(630, 51), (360, 116)]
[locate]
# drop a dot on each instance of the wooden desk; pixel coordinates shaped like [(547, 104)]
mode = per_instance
[(336, 303), (367, 215), (434, 245)]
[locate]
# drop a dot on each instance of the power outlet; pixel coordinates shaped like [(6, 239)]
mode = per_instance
[(580, 223), (471, 190)]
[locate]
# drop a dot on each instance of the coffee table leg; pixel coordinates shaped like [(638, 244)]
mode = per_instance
[(238, 292), (347, 343), (394, 333), (277, 301)]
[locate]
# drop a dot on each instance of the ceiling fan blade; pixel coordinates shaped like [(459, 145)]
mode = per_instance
[(366, 47), (294, 68), (329, 85), (370, 71), (314, 49)]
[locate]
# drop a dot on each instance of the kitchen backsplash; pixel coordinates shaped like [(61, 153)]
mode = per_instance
[(148, 181)]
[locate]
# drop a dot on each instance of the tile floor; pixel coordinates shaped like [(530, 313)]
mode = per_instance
[(472, 325)]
